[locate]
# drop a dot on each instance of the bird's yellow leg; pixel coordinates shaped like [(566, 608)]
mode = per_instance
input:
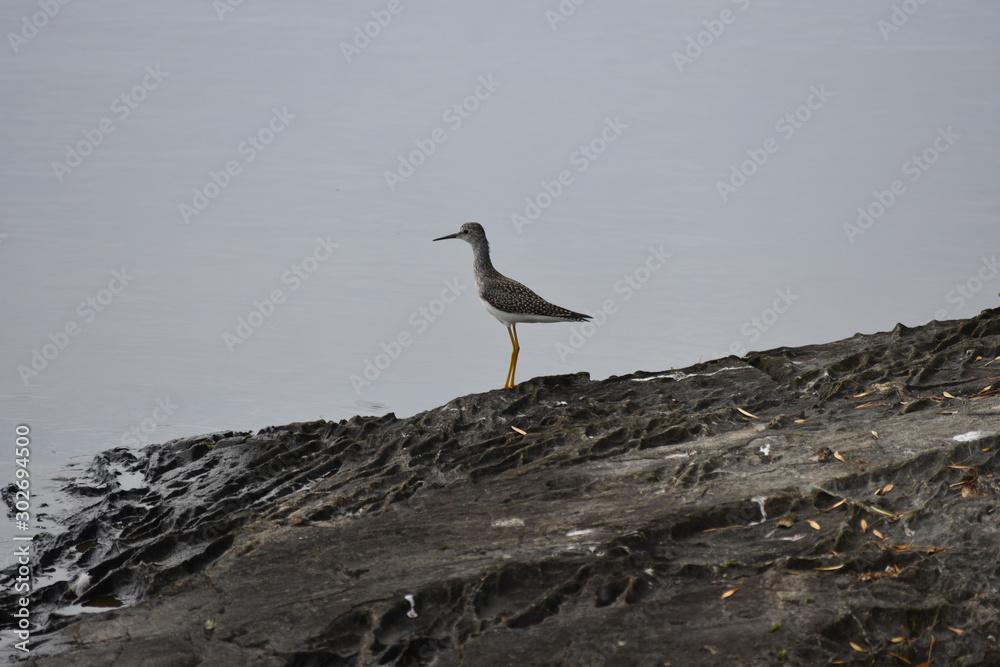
[(513, 356), (513, 345)]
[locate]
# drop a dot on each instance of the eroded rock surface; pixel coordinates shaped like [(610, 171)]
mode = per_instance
[(846, 492)]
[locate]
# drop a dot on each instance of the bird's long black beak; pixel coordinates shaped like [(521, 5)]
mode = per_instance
[(450, 236)]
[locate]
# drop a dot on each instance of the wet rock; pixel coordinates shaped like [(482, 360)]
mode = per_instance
[(635, 523)]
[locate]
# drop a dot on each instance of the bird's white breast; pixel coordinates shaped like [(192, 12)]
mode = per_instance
[(508, 319)]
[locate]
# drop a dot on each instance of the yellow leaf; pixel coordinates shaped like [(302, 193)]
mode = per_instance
[(888, 488), (864, 526), (801, 421), (842, 501), (728, 593), (814, 524), (957, 631), (872, 391), (519, 430), (878, 534), (748, 414), (896, 640), (840, 458), (947, 395), (858, 648), (863, 405), (828, 569), (875, 433)]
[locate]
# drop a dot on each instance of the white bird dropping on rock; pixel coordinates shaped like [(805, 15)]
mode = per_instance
[(80, 584), (413, 607)]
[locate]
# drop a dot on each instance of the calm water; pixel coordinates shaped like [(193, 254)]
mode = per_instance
[(199, 232)]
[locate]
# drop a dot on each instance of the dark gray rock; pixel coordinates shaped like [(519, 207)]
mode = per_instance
[(607, 535)]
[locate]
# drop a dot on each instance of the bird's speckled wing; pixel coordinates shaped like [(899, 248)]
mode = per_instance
[(512, 297)]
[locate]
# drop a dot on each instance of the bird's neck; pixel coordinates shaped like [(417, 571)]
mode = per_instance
[(481, 259)]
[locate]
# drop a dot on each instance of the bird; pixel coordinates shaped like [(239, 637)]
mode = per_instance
[(505, 299)]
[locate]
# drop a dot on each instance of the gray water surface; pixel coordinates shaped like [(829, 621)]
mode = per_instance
[(689, 173)]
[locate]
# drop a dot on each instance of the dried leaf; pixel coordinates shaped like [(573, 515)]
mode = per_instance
[(858, 648), (888, 488), (752, 416), (879, 510), (875, 433), (801, 421), (728, 593), (519, 430), (896, 640), (864, 526), (870, 391), (950, 412), (984, 389), (712, 530), (878, 534), (963, 467), (841, 502), (813, 524), (936, 550), (828, 569), (957, 631), (947, 395), (899, 657), (864, 405), (840, 458), (822, 455)]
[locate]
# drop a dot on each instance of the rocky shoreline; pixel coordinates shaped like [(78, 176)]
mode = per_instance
[(835, 502)]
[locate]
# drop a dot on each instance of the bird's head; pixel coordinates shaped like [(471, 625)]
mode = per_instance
[(470, 232)]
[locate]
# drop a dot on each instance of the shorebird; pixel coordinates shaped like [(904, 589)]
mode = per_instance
[(507, 300)]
